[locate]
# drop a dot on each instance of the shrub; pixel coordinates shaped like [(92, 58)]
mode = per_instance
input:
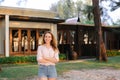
[(17, 59), (62, 56), (113, 53), (23, 59)]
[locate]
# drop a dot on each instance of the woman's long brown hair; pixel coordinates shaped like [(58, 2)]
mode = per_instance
[(53, 41)]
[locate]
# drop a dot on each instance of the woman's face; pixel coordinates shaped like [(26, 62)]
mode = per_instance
[(48, 38)]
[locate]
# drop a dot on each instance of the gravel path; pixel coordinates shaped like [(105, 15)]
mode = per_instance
[(99, 74), (93, 74)]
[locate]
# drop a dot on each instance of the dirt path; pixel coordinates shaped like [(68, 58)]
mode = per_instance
[(95, 74)]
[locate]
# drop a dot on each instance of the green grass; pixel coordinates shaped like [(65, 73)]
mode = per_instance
[(113, 62), (21, 71), (18, 71)]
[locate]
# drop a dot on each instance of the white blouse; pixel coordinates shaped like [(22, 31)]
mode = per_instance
[(47, 52)]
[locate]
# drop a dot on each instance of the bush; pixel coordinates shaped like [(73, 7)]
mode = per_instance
[(62, 56), (113, 53), (17, 59), (23, 59)]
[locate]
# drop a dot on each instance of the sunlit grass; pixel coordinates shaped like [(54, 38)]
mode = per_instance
[(19, 72), (113, 62)]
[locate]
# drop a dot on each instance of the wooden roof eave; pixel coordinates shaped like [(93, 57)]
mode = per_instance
[(74, 25), (35, 19), (115, 29), (87, 25)]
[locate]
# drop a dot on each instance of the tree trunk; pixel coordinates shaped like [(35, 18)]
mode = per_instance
[(0, 68), (100, 47)]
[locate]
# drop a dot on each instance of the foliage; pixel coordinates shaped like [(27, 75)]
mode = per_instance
[(23, 59), (84, 9), (89, 11), (31, 59), (106, 8), (114, 4), (69, 9), (62, 56), (113, 53), (65, 9), (117, 22), (89, 22), (17, 59)]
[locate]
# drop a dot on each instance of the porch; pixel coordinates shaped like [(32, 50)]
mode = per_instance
[(82, 39)]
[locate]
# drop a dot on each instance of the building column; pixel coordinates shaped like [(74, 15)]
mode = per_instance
[(54, 30), (6, 35)]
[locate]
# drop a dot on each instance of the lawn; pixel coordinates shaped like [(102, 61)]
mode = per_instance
[(22, 71)]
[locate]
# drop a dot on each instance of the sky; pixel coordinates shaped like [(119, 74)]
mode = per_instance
[(115, 15), (35, 4), (45, 5)]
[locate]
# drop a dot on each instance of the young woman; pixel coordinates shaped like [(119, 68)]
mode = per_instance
[(47, 57)]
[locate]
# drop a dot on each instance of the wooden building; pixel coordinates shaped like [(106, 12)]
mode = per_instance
[(21, 29), (82, 39)]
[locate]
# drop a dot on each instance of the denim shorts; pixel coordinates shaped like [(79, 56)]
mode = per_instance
[(47, 71)]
